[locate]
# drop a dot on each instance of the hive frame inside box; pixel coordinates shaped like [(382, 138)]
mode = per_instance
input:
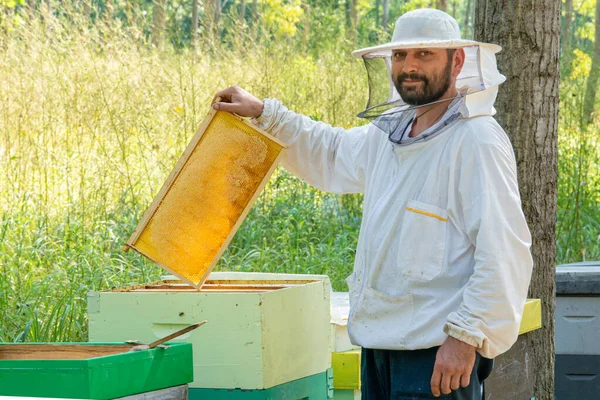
[(150, 212)]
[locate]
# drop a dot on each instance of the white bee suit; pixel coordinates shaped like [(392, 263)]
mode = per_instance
[(443, 247)]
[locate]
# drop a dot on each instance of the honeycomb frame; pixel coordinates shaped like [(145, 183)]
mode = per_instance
[(152, 236)]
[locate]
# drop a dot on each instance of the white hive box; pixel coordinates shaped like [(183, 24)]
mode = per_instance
[(340, 309), (260, 333)]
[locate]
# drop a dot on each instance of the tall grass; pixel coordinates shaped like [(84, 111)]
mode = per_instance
[(91, 123)]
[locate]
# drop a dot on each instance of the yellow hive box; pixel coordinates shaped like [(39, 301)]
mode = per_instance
[(207, 196)]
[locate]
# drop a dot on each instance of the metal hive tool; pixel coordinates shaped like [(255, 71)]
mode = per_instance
[(206, 197)]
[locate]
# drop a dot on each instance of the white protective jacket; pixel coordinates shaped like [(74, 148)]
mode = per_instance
[(443, 247)]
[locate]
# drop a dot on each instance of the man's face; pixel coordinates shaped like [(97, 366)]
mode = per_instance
[(422, 76)]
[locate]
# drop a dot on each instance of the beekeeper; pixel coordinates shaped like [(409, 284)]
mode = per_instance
[(443, 263)]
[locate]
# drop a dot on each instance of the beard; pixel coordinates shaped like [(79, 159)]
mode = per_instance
[(430, 90)]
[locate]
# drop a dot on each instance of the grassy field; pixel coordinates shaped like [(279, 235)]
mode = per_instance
[(91, 125)]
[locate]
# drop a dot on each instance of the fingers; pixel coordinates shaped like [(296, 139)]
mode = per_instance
[(230, 107), (446, 378), (455, 381), (465, 380), (225, 95), (436, 380), (446, 383)]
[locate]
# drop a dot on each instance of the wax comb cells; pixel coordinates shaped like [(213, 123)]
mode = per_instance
[(207, 196)]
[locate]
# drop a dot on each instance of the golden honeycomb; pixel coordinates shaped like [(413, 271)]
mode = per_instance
[(192, 224)]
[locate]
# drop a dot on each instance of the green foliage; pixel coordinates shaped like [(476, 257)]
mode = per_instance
[(578, 229), (92, 120), (91, 125), (11, 3)]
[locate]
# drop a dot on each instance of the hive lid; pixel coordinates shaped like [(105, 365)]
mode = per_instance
[(578, 278), (206, 197)]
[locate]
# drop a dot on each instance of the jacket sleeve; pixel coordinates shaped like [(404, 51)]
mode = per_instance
[(490, 314), (330, 159)]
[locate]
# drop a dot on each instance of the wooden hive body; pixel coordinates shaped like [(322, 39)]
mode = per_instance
[(259, 333)]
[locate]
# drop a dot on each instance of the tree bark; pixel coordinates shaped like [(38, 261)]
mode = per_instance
[(442, 5), (242, 11), (194, 33), (385, 14), (465, 33), (377, 5), (589, 100), (158, 23), (527, 105)]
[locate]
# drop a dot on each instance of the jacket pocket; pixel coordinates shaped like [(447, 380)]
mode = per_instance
[(422, 241), (381, 321)]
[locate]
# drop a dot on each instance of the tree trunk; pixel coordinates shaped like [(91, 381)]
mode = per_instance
[(242, 11), (385, 15), (529, 31), (377, 5), (442, 5), (194, 33), (467, 17), (592, 82), (158, 23)]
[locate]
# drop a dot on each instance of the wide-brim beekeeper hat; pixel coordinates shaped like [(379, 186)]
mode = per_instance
[(427, 29)]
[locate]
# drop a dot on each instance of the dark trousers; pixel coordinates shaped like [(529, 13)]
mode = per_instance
[(406, 375)]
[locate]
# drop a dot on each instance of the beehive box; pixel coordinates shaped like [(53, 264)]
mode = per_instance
[(207, 196), (91, 370), (314, 387), (259, 333)]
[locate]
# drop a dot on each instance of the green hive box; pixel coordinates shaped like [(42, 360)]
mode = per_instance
[(314, 387), (260, 332), (91, 370)]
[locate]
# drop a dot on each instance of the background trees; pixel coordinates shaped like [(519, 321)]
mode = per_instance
[(99, 97)]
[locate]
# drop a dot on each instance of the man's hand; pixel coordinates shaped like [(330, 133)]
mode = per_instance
[(453, 366), (236, 100)]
